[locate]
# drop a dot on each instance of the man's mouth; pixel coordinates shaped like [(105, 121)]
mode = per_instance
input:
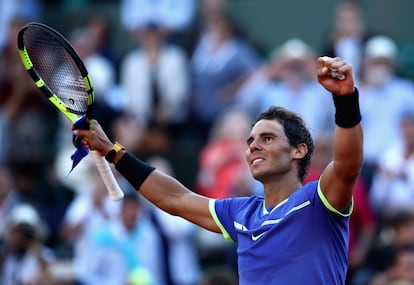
[(256, 161)]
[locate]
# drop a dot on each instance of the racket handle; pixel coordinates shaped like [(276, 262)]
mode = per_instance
[(114, 191)]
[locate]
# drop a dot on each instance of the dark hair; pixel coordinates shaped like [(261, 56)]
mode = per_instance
[(219, 276), (131, 197), (295, 130), (400, 218)]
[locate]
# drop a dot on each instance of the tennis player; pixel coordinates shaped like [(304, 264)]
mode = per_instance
[(295, 234)]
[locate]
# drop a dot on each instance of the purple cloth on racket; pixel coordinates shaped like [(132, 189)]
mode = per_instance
[(81, 151)]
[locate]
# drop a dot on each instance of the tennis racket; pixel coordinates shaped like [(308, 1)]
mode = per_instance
[(58, 71)]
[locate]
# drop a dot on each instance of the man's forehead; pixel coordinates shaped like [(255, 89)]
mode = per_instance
[(267, 126)]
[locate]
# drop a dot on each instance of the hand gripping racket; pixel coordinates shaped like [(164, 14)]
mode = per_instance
[(58, 71)]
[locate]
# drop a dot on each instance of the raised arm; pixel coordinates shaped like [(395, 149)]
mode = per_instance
[(339, 177), (162, 190)]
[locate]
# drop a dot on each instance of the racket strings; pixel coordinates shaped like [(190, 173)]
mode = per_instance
[(56, 66)]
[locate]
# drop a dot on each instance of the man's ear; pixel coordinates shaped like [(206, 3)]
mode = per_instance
[(300, 151)]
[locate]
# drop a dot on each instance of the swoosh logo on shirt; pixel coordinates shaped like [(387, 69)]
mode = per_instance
[(255, 238)]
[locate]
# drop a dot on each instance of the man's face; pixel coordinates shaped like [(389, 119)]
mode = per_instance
[(129, 214), (403, 269), (378, 71), (269, 153), (21, 237)]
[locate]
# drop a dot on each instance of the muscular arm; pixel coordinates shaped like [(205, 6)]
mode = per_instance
[(339, 177), (171, 196), (162, 190)]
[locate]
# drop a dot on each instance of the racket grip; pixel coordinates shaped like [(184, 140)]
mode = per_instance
[(114, 191)]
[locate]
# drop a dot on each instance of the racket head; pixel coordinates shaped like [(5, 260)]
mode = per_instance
[(57, 69)]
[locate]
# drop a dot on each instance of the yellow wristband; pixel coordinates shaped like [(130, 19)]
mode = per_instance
[(115, 149)]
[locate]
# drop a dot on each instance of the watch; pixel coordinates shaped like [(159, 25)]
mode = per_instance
[(115, 149)]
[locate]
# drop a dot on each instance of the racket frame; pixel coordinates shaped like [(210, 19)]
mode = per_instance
[(111, 184)]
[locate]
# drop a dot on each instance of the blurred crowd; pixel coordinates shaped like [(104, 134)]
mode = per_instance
[(191, 81)]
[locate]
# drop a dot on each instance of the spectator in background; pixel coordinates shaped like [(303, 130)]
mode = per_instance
[(155, 79), (26, 10), (24, 259), (38, 186), (171, 15), (385, 97), (391, 258), (6, 14), (401, 268), (179, 236), (348, 35), (221, 61), (393, 184), (322, 155), (26, 117), (295, 87), (100, 26), (223, 171), (125, 250), (91, 208), (177, 19), (8, 197), (30, 145), (259, 83), (362, 227)]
